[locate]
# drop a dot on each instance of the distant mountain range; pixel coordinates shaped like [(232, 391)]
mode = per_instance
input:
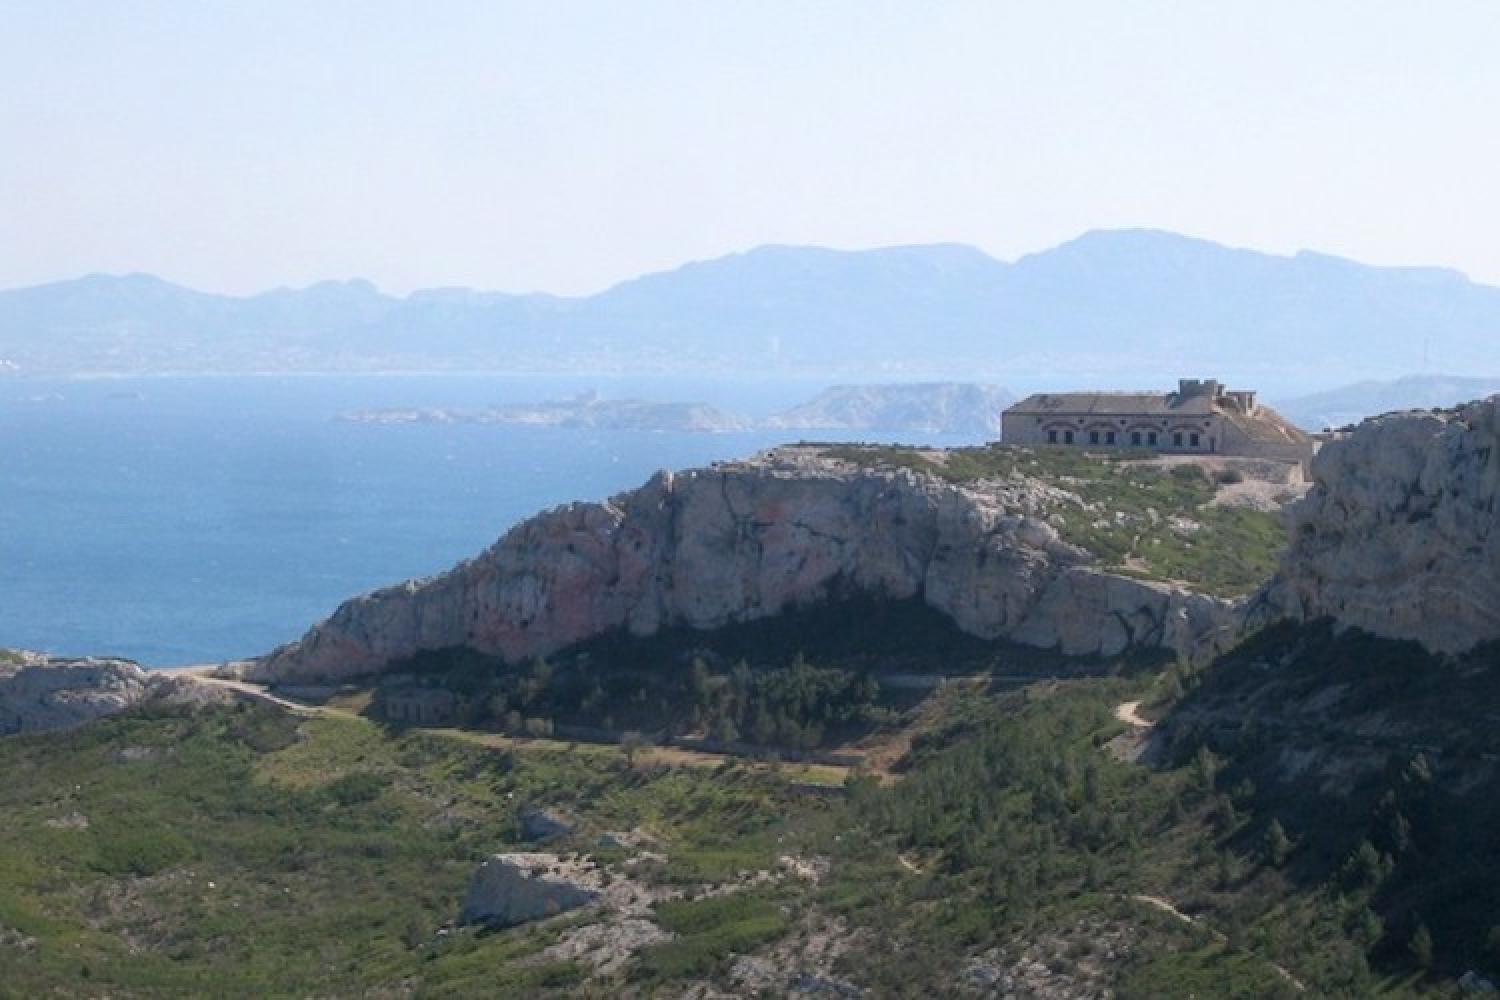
[(1128, 303), (1352, 403)]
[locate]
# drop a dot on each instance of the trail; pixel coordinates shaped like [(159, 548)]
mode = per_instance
[(1129, 713), (1168, 907), (204, 673)]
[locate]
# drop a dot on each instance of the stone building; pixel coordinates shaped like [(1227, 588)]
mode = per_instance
[(419, 706), (1201, 417)]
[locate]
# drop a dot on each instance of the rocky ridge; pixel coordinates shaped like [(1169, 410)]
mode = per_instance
[(1399, 534), (38, 692), (747, 540)]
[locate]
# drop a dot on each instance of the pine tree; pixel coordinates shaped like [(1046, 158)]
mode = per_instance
[(1278, 844), (1421, 946)]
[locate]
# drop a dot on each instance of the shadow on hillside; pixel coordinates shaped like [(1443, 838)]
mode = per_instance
[(1379, 759)]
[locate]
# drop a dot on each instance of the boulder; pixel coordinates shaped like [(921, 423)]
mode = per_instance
[(513, 889), (545, 824)]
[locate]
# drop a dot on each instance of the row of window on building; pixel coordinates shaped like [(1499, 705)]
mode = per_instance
[(1138, 439)]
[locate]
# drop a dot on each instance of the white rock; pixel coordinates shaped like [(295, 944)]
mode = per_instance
[(1399, 535)]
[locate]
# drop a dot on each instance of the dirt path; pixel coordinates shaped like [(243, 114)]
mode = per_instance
[(829, 775), (1168, 907), (205, 673), (1129, 713)]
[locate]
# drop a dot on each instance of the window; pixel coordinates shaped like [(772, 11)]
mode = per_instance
[(1109, 438), (1093, 437), (1052, 437), (1177, 440), (1067, 437), (1135, 438), (1151, 438), (1193, 440)]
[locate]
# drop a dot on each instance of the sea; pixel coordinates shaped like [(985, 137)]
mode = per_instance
[(184, 520)]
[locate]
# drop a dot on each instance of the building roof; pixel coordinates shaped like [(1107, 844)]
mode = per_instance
[(1113, 404)]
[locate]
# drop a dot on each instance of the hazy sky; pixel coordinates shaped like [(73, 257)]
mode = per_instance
[(563, 146)]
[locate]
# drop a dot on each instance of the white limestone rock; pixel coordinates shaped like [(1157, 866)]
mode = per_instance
[(1399, 535), (40, 693), (748, 540)]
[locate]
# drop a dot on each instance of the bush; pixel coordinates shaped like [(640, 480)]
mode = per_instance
[(357, 787), (710, 931), (140, 852)]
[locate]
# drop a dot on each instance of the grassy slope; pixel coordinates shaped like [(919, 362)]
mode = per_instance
[(1125, 510), (239, 854), (338, 849)]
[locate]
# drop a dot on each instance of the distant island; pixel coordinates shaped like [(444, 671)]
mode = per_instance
[(917, 408), (587, 410), (920, 407)]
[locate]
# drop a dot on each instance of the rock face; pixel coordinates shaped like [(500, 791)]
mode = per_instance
[(1399, 534), (512, 889), (38, 692), (747, 540)]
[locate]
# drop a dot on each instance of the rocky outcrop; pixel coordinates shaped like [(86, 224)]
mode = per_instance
[(39, 692), (1399, 534), (746, 540), (512, 889)]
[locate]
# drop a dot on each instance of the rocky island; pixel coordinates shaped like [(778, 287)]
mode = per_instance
[(587, 410), (910, 407)]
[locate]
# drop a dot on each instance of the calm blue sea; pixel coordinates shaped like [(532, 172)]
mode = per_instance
[(187, 520)]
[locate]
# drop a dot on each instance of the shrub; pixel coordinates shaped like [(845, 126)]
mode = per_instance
[(357, 787), (140, 851)]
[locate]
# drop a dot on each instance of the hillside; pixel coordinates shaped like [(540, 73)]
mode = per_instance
[(1128, 303), (862, 794), (1089, 553)]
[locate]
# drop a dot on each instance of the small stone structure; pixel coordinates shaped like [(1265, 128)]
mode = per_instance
[(1201, 417), (419, 706)]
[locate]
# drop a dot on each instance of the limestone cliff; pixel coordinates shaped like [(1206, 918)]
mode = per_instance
[(746, 540), (1398, 535)]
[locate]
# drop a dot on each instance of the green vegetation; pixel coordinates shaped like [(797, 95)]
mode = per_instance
[(708, 932), (213, 859), (1322, 813), (1135, 516), (806, 680)]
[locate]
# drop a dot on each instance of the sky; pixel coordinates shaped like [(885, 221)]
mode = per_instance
[(560, 146)]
